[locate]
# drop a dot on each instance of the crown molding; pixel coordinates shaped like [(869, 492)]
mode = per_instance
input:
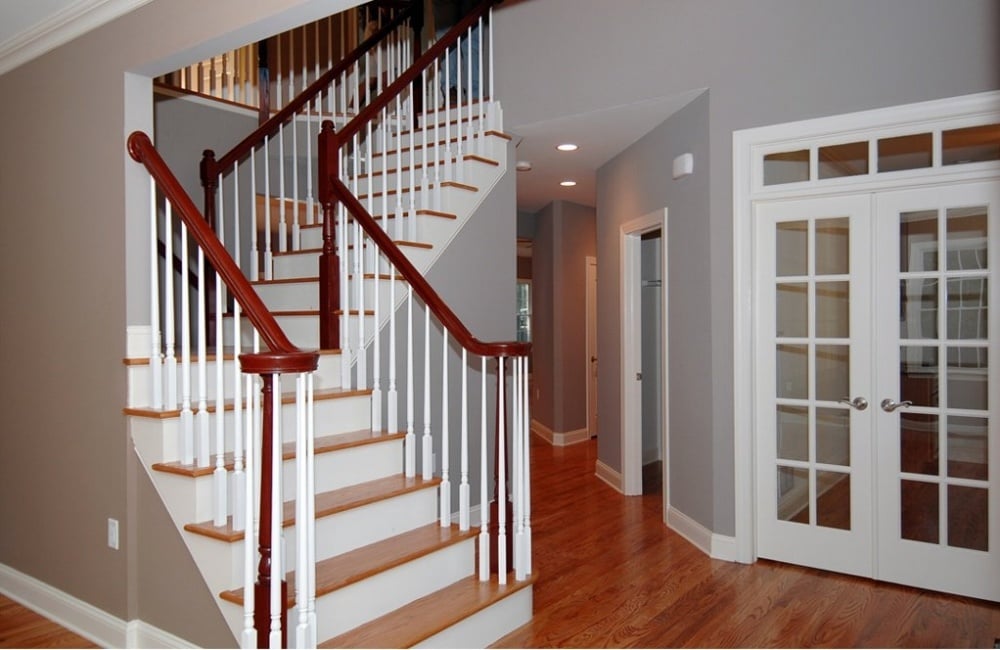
[(75, 19)]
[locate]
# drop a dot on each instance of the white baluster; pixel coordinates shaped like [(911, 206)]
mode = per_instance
[(463, 487), (239, 476), (170, 353), (384, 129), (456, 172), (411, 439), (501, 475), (359, 281), (277, 561), (517, 474), (302, 633), (219, 478), (187, 416), (249, 639), (254, 253), (436, 198), (202, 419), (412, 214), (445, 487), (448, 172), (311, 508), (155, 353), (376, 353), (428, 441), (282, 223), (425, 189), (398, 229), (470, 146), (268, 258), (484, 499), (480, 143), (296, 236), (345, 299), (392, 397)]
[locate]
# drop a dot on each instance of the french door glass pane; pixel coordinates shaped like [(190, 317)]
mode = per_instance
[(919, 511), (967, 517), (792, 248), (833, 500), (833, 372), (918, 443), (792, 316), (966, 249), (833, 436), (793, 432), (918, 236), (918, 375), (967, 308), (919, 314), (833, 313), (968, 447), (793, 494), (793, 371), (832, 247)]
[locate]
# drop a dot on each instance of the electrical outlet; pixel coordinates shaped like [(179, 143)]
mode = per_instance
[(113, 534)]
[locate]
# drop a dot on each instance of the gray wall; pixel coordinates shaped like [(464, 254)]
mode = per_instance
[(565, 236), (66, 463), (765, 62)]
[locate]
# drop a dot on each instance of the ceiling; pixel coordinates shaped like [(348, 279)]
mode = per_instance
[(29, 28)]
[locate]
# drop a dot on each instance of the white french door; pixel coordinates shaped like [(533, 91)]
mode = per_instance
[(877, 439)]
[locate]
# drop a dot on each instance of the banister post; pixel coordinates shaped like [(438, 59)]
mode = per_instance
[(209, 172), (494, 526), (329, 261), (417, 89), (262, 588)]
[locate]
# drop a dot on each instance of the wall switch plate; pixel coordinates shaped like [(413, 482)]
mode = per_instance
[(113, 534), (683, 165)]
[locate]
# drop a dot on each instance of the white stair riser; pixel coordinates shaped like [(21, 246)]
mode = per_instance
[(139, 379), (335, 534), (333, 470), (486, 626), (358, 603), (304, 295)]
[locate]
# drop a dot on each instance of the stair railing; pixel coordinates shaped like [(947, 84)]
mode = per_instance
[(418, 149), (255, 425)]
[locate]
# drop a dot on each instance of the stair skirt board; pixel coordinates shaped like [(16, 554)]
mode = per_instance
[(343, 609)]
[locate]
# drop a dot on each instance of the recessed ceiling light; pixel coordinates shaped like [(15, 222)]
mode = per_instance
[(568, 183), (568, 146)]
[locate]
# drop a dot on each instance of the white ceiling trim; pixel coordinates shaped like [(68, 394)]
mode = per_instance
[(73, 20)]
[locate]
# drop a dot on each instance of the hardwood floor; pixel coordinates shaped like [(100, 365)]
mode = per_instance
[(22, 628), (612, 575)]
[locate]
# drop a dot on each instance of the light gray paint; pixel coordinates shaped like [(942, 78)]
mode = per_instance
[(66, 462), (565, 236), (765, 62)]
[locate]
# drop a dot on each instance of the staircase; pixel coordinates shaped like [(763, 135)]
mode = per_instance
[(395, 565)]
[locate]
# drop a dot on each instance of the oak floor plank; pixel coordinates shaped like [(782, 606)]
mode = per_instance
[(611, 574), (20, 627)]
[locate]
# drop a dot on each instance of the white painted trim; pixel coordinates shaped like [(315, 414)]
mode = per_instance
[(609, 475), (74, 20), (630, 391), (81, 617), (204, 100), (137, 341), (690, 530), (558, 438), (748, 146)]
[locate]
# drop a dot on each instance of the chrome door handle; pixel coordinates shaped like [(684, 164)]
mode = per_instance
[(889, 406), (859, 403)]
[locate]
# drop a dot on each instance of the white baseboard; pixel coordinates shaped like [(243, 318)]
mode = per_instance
[(559, 439), (719, 547), (610, 476), (83, 618)]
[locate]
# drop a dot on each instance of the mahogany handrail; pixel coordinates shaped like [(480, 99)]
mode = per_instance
[(284, 356), (270, 127), (417, 281), (370, 111)]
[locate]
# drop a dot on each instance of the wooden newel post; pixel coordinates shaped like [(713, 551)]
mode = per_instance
[(417, 89), (329, 261), (262, 588), (498, 498), (209, 172)]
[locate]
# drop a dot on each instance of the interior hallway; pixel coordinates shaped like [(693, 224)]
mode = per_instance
[(612, 575)]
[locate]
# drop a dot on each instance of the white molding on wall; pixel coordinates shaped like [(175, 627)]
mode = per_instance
[(557, 438), (718, 547), (83, 618), (75, 19), (609, 475)]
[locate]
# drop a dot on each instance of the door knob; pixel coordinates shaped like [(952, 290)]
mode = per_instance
[(889, 406), (859, 403), (593, 359)]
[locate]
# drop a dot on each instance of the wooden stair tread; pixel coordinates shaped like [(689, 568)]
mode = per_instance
[(361, 563), (287, 397), (323, 445), (328, 503), (425, 617)]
